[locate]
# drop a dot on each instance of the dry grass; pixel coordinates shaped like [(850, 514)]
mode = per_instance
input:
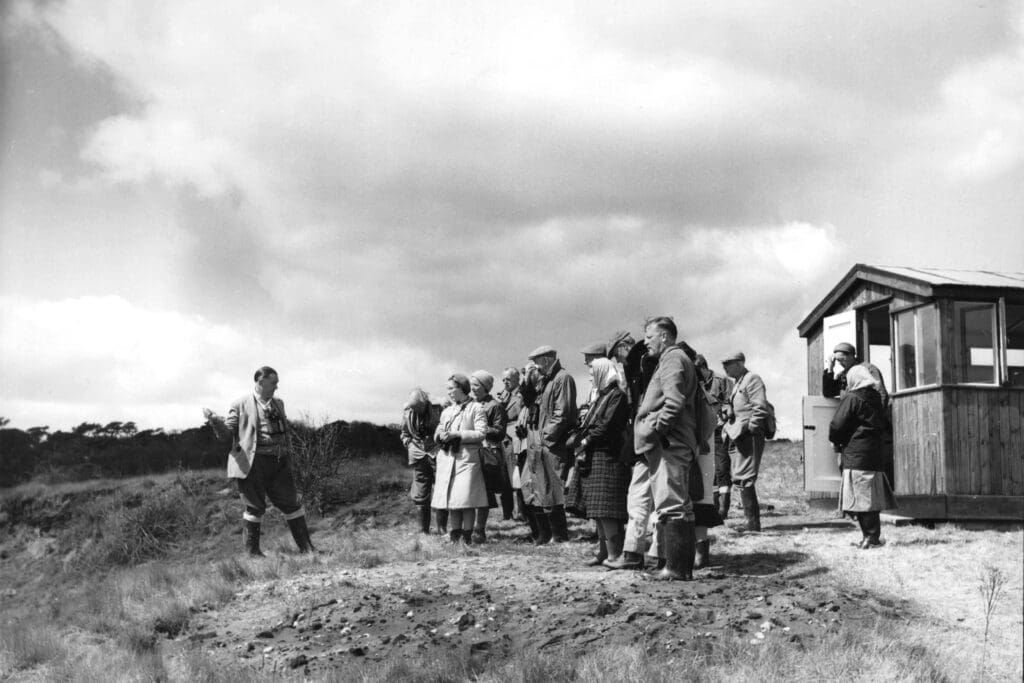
[(114, 623)]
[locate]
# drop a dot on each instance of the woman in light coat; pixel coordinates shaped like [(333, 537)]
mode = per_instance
[(459, 486)]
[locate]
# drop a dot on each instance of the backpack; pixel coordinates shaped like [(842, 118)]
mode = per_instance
[(770, 423)]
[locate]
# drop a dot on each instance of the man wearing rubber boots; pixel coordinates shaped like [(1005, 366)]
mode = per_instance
[(259, 462), (665, 441), (746, 416)]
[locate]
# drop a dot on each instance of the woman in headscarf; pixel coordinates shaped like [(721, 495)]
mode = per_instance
[(492, 457), (419, 420), (857, 429), (511, 400), (603, 476), (459, 486)]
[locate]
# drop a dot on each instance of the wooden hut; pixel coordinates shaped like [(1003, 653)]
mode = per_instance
[(950, 345)]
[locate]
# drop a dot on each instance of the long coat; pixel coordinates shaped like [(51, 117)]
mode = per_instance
[(459, 481), (857, 428)]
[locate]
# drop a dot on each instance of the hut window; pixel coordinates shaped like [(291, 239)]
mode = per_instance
[(917, 357), (974, 340), (1015, 344)]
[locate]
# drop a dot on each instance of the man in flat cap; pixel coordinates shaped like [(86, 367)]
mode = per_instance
[(833, 381), (746, 416), (556, 418), (665, 441), (718, 389)]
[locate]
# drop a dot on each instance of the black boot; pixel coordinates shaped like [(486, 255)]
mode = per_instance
[(702, 555), (717, 502), (543, 526), (751, 509), (300, 532), (726, 503), (679, 550), (871, 525), (424, 519), (531, 520), (559, 524), (441, 521), (251, 538), (455, 535)]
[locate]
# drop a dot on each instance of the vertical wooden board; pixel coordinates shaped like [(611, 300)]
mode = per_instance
[(814, 364), (986, 408), (1015, 442), (992, 469), (953, 444), (1002, 428), (947, 434)]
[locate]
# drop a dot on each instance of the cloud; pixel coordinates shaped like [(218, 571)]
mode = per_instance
[(103, 358)]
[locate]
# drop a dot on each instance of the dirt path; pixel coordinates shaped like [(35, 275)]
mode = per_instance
[(508, 596)]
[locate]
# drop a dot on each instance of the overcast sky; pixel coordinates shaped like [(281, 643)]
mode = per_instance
[(369, 196)]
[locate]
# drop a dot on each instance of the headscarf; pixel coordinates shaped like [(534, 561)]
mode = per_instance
[(461, 381), (603, 374), (859, 377), (485, 378)]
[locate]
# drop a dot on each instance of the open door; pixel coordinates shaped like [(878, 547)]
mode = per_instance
[(841, 327), (821, 472)]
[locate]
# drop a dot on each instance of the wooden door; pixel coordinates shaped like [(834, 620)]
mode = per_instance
[(821, 471)]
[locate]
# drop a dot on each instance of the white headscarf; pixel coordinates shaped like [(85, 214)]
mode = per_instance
[(603, 373), (859, 377)]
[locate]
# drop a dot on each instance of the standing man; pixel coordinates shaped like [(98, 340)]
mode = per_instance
[(258, 461), (556, 418), (718, 388), (833, 380), (746, 416), (665, 441)]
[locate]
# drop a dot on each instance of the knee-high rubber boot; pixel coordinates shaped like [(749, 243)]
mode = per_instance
[(751, 509), (531, 520), (702, 555), (300, 532), (543, 525), (679, 551), (441, 521), (251, 538), (425, 519), (726, 502), (559, 524), (717, 502)]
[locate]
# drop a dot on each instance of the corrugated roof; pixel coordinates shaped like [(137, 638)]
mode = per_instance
[(949, 276)]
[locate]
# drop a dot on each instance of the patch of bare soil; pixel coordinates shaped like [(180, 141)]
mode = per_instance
[(507, 596)]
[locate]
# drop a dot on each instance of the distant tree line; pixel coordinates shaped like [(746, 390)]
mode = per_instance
[(120, 449)]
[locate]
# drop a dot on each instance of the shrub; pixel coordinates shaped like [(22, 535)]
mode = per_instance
[(316, 455)]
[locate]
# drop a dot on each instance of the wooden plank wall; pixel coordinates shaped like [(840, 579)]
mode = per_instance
[(918, 447), (985, 453), (814, 364)]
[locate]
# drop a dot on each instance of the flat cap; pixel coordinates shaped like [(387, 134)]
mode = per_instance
[(845, 347), (733, 357), (595, 349), (542, 351), (619, 337)]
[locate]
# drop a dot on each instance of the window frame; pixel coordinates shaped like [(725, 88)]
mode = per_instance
[(999, 375), (918, 346)]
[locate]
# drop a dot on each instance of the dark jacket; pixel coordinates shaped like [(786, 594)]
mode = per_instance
[(497, 421), (857, 428), (605, 423), (418, 431), (666, 413), (556, 416)]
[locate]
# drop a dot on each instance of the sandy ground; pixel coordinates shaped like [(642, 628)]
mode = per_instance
[(507, 596)]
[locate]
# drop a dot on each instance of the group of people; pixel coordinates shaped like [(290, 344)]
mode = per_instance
[(641, 457), (651, 457)]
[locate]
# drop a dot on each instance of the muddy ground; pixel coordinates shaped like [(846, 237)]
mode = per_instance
[(507, 596)]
